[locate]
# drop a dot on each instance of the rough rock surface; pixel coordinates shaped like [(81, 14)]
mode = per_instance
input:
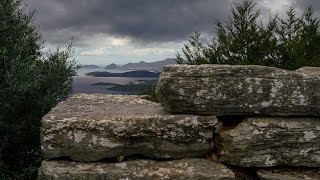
[(239, 90), (140, 169), (272, 141), (289, 174), (94, 127)]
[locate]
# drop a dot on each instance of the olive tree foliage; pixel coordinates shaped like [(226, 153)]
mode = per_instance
[(288, 43), (31, 83)]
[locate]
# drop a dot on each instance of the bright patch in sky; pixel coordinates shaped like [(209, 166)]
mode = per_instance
[(112, 49), (97, 52), (277, 5), (107, 49)]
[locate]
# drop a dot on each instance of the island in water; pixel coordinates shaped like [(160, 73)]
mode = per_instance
[(133, 74), (137, 87)]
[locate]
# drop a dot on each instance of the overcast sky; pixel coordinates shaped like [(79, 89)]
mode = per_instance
[(122, 31)]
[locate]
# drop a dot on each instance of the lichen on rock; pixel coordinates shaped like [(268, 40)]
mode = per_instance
[(239, 90), (272, 141), (140, 169), (95, 127)]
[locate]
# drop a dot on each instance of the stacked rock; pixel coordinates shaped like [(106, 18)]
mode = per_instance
[(261, 122), (126, 137), (278, 137)]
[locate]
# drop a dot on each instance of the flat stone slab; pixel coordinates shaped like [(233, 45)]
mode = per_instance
[(289, 174), (272, 141), (140, 169), (94, 127), (239, 90)]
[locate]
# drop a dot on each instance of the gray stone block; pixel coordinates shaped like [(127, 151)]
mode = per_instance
[(94, 127), (289, 174), (141, 169), (272, 141), (239, 90)]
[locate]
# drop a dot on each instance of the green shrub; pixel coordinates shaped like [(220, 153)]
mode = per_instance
[(285, 43), (151, 94), (31, 83)]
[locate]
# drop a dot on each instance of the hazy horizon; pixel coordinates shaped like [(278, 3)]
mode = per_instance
[(118, 64)]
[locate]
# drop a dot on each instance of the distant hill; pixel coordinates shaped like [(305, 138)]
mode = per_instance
[(90, 66), (112, 66), (125, 74), (153, 66)]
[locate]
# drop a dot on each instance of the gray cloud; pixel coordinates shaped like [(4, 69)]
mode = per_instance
[(146, 20), (305, 3)]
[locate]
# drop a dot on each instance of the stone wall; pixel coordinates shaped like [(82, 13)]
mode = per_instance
[(214, 122)]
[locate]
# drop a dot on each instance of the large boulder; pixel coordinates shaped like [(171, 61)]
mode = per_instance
[(271, 141), (239, 90), (140, 169), (95, 127), (289, 174)]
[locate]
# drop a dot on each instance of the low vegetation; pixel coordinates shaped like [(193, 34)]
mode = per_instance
[(151, 94)]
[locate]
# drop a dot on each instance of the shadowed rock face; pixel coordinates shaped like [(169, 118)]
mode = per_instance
[(140, 169), (95, 127), (272, 141), (289, 174), (239, 90)]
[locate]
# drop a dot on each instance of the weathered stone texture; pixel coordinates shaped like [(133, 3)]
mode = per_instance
[(289, 174), (140, 169), (94, 127), (239, 90), (272, 141)]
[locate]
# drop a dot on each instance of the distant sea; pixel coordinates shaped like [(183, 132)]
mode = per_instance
[(83, 83)]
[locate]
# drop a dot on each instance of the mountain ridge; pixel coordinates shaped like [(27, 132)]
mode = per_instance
[(89, 66), (152, 66)]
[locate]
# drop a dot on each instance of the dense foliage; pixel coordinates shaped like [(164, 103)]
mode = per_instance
[(288, 43), (31, 83)]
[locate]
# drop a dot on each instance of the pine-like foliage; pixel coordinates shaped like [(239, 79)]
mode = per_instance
[(31, 83), (288, 43)]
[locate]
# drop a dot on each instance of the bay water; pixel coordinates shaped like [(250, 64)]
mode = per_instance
[(84, 84)]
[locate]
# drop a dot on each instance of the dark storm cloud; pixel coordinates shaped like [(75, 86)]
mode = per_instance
[(146, 20), (302, 4)]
